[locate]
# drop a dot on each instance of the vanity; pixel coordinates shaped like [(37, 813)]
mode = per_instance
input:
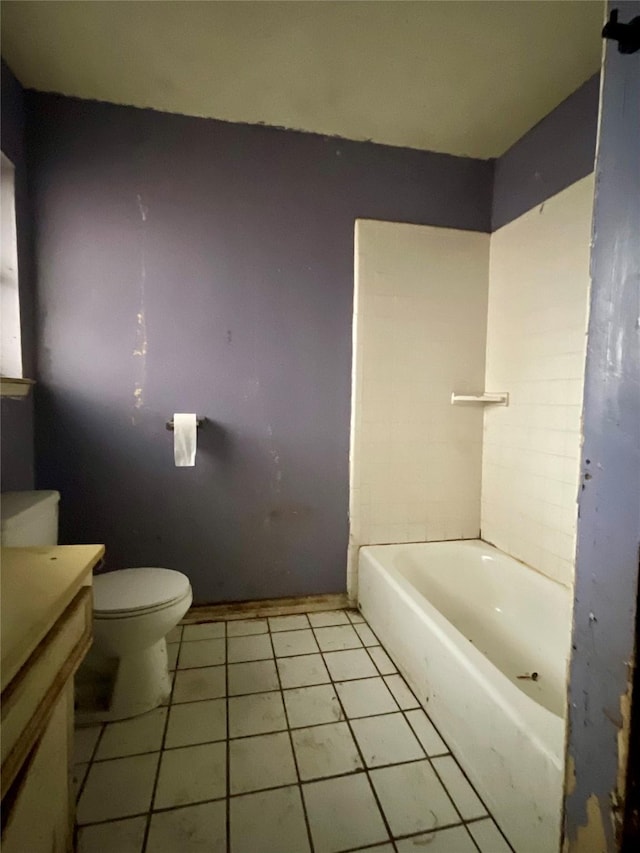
[(46, 612)]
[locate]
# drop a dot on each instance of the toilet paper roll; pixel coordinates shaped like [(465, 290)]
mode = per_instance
[(184, 439)]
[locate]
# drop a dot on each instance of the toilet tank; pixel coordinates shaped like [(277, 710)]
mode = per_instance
[(29, 518)]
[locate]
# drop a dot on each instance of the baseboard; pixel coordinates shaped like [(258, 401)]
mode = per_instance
[(268, 607)]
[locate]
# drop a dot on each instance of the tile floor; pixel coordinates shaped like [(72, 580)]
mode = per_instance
[(284, 735)]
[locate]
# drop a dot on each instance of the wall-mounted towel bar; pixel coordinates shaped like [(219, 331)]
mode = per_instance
[(502, 399)]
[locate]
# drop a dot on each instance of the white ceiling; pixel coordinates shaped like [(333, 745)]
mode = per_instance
[(465, 78)]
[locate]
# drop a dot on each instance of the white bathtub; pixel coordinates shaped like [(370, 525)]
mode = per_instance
[(464, 622)]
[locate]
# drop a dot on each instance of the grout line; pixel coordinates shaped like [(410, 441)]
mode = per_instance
[(476, 819), (202, 639), (406, 837), (365, 769), (457, 763), (411, 726), (82, 826), (90, 762), (446, 790), (94, 751), (473, 841), (302, 687), (80, 789), (291, 744), (404, 681), (281, 731), (182, 806), (377, 668), (332, 777), (490, 818), (297, 655), (147, 828), (333, 682), (372, 846), (395, 712)]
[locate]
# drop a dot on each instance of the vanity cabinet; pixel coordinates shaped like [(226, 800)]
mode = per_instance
[(39, 818), (46, 632)]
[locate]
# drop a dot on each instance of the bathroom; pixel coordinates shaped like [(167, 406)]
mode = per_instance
[(219, 218)]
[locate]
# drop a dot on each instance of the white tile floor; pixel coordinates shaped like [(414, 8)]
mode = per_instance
[(293, 734)]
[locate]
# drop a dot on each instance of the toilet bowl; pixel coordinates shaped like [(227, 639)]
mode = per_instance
[(133, 611)]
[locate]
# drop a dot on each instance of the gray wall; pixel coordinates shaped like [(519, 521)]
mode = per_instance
[(606, 587), (16, 416), (235, 244)]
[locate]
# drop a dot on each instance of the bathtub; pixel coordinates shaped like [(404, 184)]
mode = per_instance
[(469, 626)]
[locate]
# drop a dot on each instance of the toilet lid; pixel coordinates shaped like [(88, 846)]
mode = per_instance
[(137, 589)]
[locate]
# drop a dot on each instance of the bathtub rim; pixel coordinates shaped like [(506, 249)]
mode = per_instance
[(543, 720)]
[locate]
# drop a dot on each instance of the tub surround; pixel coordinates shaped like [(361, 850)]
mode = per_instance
[(45, 633), (536, 346), (429, 305), (469, 628), (420, 310)]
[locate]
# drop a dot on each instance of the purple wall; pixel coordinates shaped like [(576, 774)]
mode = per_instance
[(16, 463), (554, 154), (235, 244), (606, 624)]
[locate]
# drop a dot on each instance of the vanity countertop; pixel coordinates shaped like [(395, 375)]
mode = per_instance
[(37, 584)]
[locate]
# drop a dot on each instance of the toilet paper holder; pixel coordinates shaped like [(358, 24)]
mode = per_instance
[(199, 423)]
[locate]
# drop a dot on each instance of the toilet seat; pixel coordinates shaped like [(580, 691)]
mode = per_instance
[(137, 592)]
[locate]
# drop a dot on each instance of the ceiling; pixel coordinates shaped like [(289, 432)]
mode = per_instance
[(466, 78)]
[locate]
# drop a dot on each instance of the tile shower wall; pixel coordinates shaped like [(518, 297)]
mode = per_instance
[(420, 310), (537, 320)]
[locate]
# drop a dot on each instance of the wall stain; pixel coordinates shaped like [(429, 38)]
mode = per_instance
[(142, 343), (289, 512)]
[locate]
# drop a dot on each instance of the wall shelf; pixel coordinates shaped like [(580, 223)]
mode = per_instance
[(500, 399)]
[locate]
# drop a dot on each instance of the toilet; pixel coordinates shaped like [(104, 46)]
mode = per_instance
[(126, 672), (133, 611)]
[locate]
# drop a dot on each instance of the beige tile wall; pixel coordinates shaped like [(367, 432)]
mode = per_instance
[(536, 337), (419, 333)]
